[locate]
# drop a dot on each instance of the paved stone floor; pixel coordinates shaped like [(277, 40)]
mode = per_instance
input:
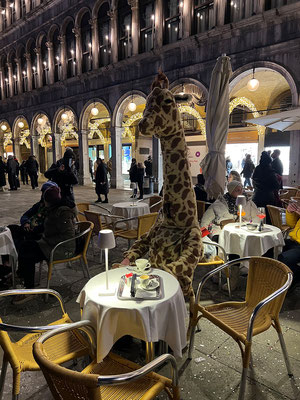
[(214, 372)]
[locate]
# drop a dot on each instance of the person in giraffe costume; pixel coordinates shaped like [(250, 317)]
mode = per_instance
[(174, 242)]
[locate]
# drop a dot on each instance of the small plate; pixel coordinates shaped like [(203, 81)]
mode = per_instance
[(151, 286)]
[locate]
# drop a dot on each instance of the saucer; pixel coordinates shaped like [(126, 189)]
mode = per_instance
[(152, 285), (138, 272)]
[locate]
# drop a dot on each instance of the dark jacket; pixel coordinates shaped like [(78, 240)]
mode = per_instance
[(35, 216), (200, 192), (248, 169), (2, 173), (32, 166), (133, 173), (65, 179), (140, 174), (101, 179), (277, 166), (265, 183), (148, 166), (59, 225), (12, 167)]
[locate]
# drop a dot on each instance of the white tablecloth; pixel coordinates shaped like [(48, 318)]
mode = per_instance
[(7, 247), (127, 210), (249, 243), (149, 320)]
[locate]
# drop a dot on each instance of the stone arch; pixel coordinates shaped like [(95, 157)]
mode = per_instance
[(51, 31), (183, 81), (65, 23), (31, 41), (11, 54), (40, 37), (6, 134), (41, 138), (97, 6), (15, 128), (80, 14), (83, 118), (21, 137), (122, 103), (3, 59), (243, 71), (243, 101), (19, 49)]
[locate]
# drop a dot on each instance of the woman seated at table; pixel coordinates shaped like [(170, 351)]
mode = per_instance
[(291, 251), (224, 208)]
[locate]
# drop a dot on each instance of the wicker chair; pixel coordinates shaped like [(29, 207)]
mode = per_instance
[(276, 218), (155, 202), (145, 222), (286, 194), (85, 232), (114, 378), (67, 346), (82, 207), (268, 282)]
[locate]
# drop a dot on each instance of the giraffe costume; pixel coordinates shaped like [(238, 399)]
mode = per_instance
[(174, 242)]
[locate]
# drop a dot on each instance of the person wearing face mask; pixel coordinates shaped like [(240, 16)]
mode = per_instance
[(225, 208)]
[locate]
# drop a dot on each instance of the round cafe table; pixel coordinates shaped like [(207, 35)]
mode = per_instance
[(245, 243), (7, 247), (128, 210), (149, 320)]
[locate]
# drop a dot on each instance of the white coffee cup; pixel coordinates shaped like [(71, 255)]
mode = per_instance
[(142, 264)]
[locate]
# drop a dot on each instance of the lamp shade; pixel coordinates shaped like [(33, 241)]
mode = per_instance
[(106, 239), (240, 201)]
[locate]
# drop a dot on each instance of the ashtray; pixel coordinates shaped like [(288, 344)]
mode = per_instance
[(251, 227)]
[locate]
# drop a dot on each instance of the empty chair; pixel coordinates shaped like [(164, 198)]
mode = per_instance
[(268, 282), (145, 222), (276, 218), (81, 207), (113, 378), (64, 347)]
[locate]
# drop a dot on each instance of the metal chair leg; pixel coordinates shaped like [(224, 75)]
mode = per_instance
[(86, 267), (149, 352), (192, 340), (243, 384), (285, 354), (40, 272), (3, 375)]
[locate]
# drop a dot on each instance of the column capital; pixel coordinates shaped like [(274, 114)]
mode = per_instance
[(37, 51), (27, 56), (133, 3), (93, 22), (49, 45), (9, 65), (17, 60), (62, 38), (77, 31), (112, 13)]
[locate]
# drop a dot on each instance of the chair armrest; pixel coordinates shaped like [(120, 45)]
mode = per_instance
[(104, 208), (212, 243), (127, 219), (215, 271), (32, 329), (67, 241), (265, 301)]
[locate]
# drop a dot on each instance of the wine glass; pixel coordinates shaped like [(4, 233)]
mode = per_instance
[(261, 214)]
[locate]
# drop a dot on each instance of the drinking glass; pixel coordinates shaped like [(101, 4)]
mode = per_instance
[(262, 214)]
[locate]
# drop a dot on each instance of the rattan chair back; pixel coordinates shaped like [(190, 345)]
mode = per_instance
[(145, 223), (82, 207), (275, 215), (95, 218)]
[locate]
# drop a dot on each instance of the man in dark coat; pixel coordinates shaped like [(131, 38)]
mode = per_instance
[(148, 166), (32, 168), (248, 170), (2, 174), (133, 175), (24, 174), (62, 173), (101, 181), (277, 165), (12, 172)]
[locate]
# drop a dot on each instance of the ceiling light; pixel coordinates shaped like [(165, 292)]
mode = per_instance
[(40, 121), (132, 106), (21, 124), (253, 83), (3, 127), (94, 111), (64, 116)]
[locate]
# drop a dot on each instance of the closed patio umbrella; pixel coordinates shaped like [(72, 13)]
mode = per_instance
[(283, 121), (217, 122)]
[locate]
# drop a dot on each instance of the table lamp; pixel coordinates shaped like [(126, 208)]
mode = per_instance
[(240, 202), (106, 240), (133, 186)]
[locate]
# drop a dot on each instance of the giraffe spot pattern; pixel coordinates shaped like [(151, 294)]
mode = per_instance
[(175, 143), (158, 121), (172, 178), (174, 158), (178, 187), (185, 193)]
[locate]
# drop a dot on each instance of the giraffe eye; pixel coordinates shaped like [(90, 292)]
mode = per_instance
[(168, 101)]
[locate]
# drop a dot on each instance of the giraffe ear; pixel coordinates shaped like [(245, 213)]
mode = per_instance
[(160, 81)]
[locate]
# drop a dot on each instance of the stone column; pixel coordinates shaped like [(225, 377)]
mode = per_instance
[(294, 176), (135, 26), (84, 173), (116, 151), (8, 13), (2, 150), (56, 147), (63, 56), (219, 7), (158, 13), (113, 14), (187, 18), (2, 83), (37, 51), (27, 6), (95, 42), (18, 9), (19, 75), (260, 6), (29, 72), (17, 147), (10, 80), (77, 33), (50, 63), (35, 146)]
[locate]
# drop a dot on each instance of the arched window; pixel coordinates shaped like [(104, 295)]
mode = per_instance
[(86, 43), (14, 67), (235, 10), (33, 58), (173, 20), (6, 79), (23, 70), (203, 15), (104, 35), (277, 3), (23, 8), (71, 47), (147, 9), (57, 56), (124, 29), (12, 12), (45, 61)]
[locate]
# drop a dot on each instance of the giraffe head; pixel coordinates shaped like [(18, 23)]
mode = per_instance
[(161, 116)]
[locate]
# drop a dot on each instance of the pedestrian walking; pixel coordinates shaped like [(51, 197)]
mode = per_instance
[(248, 170), (133, 175), (12, 172), (2, 174), (32, 168), (24, 174), (101, 182)]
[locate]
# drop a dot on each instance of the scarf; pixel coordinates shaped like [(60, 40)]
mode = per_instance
[(230, 201)]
